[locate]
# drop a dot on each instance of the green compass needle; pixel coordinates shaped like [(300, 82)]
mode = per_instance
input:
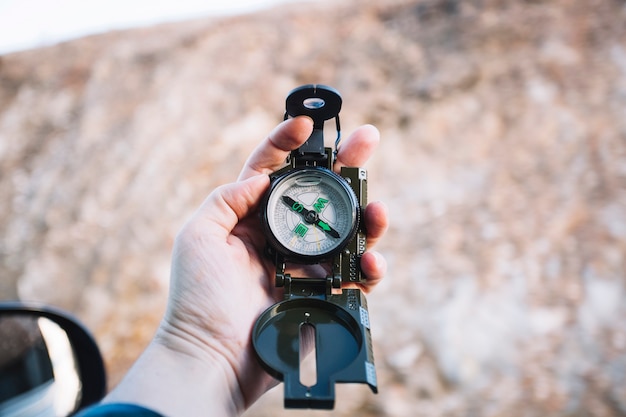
[(310, 216), (326, 228)]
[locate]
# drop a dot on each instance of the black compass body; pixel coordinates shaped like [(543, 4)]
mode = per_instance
[(311, 215)]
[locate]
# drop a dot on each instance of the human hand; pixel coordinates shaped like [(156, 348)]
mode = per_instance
[(221, 281)]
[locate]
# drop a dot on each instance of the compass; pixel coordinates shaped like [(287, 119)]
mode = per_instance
[(313, 215), (310, 214)]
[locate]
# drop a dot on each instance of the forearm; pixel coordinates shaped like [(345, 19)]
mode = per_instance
[(180, 381)]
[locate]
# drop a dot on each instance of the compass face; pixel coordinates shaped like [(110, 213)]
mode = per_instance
[(311, 213)]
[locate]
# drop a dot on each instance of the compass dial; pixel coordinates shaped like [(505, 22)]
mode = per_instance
[(310, 214)]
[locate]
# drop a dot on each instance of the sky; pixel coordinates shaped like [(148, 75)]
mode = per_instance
[(27, 24)]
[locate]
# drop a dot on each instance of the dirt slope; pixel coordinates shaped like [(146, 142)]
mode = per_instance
[(503, 162)]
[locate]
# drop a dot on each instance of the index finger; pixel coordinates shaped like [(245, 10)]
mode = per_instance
[(273, 151)]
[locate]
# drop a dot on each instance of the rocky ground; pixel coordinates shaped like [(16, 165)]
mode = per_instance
[(503, 162)]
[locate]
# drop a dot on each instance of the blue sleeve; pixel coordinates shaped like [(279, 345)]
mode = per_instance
[(117, 410)]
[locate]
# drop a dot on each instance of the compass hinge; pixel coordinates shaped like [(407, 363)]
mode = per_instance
[(306, 287)]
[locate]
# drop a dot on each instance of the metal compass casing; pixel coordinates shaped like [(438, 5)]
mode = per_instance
[(312, 215)]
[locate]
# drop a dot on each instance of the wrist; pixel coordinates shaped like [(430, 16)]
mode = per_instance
[(177, 375)]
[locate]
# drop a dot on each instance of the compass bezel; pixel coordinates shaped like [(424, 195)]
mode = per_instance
[(276, 242)]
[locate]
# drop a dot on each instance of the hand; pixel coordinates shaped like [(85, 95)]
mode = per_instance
[(201, 360)]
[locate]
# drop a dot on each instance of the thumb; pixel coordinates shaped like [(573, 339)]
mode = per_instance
[(230, 203)]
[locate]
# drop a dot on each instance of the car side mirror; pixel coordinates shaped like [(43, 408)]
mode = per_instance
[(50, 365)]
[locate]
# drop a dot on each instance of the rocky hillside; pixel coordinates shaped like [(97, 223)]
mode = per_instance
[(503, 162)]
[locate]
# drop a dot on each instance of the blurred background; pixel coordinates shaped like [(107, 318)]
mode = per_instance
[(502, 160)]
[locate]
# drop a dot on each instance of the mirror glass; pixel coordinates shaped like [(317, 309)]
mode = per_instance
[(39, 374)]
